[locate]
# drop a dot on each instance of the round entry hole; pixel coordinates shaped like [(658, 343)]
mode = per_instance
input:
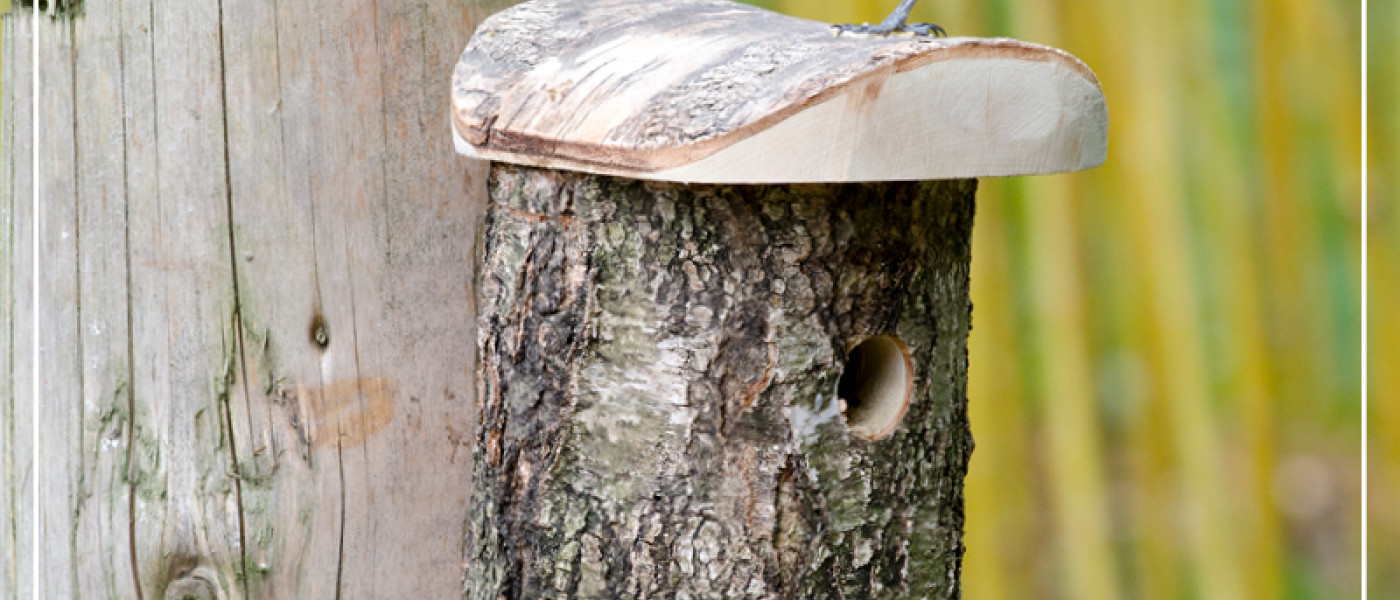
[(875, 386)]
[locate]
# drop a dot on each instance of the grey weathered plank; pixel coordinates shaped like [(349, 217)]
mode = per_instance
[(188, 445), (352, 445), (60, 468), (182, 306), (332, 170), (342, 165), (7, 491), (10, 490), (292, 490), (425, 327), (102, 557), (138, 91)]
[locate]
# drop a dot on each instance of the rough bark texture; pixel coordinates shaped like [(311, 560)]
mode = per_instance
[(658, 377)]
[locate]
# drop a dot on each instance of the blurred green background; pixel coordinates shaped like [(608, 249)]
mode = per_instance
[(1165, 370), (1383, 177)]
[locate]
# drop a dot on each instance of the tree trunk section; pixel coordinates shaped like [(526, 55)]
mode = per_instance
[(658, 389)]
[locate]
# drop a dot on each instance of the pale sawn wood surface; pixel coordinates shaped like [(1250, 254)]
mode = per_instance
[(717, 92), (217, 177)]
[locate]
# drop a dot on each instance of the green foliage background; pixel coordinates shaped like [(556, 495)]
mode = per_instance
[(1383, 250), (1165, 370)]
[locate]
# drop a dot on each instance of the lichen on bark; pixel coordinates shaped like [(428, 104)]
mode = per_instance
[(658, 373)]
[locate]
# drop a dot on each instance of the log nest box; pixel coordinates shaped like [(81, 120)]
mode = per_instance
[(723, 294)]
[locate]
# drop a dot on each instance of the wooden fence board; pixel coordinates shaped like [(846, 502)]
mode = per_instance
[(357, 437), (61, 468), (291, 492), (12, 496), (182, 308), (8, 493), (102, 558), (218, 179), (141, 180), (19, 154)]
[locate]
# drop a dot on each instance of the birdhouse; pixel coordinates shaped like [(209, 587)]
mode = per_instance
[(723, 294)]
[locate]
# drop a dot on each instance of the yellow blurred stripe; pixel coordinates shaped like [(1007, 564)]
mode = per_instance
[(1284, 89), (1224, 203), (1148, 484), (1153, 196), (1000, 513), (959, 17), (1384, 379), (1384, 291), (1059, 338), (844, 11), (1250, 387), (964, 17)]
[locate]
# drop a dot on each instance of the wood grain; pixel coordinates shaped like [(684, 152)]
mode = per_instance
[(221, 182), (717, 92), (9, 494), (103, 553), (61, 469), (16, 490), (188, 528), (382, 219)]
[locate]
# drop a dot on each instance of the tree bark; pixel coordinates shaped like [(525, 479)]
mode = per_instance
[(658, 381)]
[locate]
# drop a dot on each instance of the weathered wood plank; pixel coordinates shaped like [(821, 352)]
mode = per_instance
[(341, 164), (7, 390), (291, 488), (7, 534), (147, 368), (102, 564), (60, 464), (15, 499), (420, 326), (182, 305), (352, 444), (195, 449)]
